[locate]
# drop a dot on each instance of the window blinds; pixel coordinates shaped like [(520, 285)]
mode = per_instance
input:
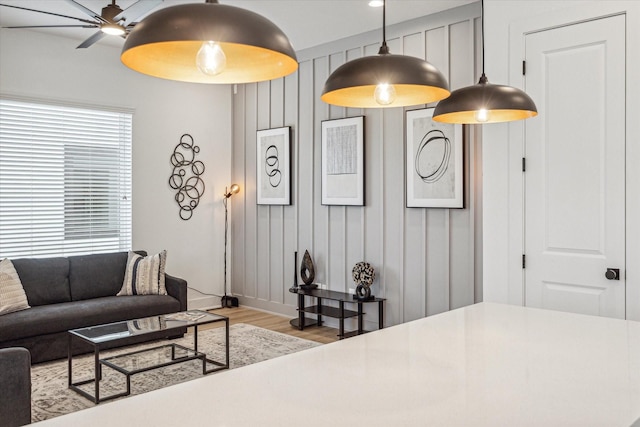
[(65, 180)]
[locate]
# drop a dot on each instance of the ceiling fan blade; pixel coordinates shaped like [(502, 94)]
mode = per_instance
[(91, 40), (89, 12), (48, 13), (54, 26), (136, 10)]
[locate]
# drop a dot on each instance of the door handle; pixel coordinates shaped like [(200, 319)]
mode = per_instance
[(612, 274)]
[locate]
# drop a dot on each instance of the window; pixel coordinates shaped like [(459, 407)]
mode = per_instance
[(65, 180)]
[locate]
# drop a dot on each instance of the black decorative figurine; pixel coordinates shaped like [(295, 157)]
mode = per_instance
[(307, 272), (363, 274)]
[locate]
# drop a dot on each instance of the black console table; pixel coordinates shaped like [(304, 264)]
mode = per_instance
[(336, 312)]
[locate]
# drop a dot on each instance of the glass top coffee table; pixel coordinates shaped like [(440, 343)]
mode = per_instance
[(108, 335)]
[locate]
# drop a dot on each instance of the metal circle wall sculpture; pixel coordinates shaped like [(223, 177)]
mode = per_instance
[(186, 176)]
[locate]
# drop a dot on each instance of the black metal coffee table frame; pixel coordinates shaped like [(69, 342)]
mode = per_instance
[(177, 325)]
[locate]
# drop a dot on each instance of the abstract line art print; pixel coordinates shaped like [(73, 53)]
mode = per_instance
[(343, 162), (434, 162), (273, 166)]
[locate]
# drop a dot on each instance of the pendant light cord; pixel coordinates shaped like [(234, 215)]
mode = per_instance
[(384, 22), (384, 49), (483, 78)]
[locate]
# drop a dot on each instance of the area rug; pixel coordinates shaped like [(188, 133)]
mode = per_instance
[(247, 344)]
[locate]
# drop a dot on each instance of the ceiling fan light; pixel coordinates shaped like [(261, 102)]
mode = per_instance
[(415, 81), (485, 103), (165, 44), (112, 29)]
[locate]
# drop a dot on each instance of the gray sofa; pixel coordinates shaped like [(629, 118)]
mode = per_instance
[(75, 292), (15, 383)]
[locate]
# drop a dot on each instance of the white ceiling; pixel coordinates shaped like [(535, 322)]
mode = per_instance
[(307, 23)]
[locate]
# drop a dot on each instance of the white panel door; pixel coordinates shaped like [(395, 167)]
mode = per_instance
[(575, 168)]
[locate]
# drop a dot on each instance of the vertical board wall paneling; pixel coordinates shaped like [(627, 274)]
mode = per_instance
[(276, 213), (414, 281), (250, 266), (426, 260), (393, 207), (355, 222), (263, 225), (437, 220), (291, 213), (336, 237), (476, 138), (237, 204), (320, 250), (461, 73), (305, 156)]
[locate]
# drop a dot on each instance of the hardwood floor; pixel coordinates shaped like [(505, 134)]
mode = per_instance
[(276, 323)]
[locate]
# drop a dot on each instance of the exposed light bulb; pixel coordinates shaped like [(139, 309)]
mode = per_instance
[(235, 188), (211, 59), (385, 94), (482, 115)]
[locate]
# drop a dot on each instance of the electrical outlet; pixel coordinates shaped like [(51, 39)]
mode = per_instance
[(322, 286), (352, 291)]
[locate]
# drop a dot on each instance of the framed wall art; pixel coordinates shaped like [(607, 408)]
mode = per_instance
[(435, 163), (343, 162), (273, 164)]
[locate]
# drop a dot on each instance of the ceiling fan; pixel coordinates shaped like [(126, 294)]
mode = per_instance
[(112, 21)]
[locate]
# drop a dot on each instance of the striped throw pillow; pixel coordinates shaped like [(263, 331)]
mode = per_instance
[(144, 275), (12, 296)]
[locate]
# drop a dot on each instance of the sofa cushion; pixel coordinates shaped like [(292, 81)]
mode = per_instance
[(95, 276), (45, 280), (53, 318), (12, 296), (144, 275)]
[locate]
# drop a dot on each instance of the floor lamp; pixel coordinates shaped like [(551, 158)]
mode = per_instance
[(228, 300)]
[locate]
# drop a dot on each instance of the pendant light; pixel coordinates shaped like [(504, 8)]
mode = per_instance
[(209, 43), (485, 102), (385, 80)]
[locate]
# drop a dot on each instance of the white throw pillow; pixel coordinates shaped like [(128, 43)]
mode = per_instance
[(12, 296), (144, 275)]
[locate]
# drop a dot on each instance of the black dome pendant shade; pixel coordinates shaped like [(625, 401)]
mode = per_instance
[(485, 102), (413, 80), (166, 43)]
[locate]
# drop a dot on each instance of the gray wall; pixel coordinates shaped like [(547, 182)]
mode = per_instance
[(427, 260)]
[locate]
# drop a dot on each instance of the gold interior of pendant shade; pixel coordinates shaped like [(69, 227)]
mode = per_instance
[(362, 96), (165, 44), (497, 116), (244, 63)]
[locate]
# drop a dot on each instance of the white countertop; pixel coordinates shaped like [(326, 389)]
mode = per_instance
[(482, 365)]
